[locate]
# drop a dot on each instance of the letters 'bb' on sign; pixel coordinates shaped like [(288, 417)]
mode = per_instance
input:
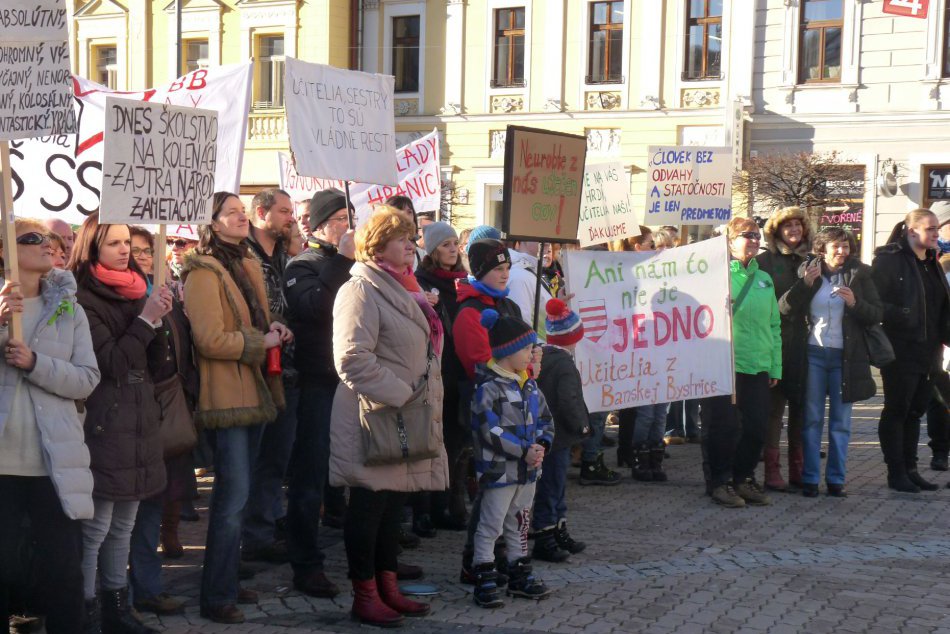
[(907, 8)]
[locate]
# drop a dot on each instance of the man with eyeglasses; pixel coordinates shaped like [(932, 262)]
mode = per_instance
[(311, 282)]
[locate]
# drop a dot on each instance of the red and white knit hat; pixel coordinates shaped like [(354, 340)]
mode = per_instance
[(563, 326)]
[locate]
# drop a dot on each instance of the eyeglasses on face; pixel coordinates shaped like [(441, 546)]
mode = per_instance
[(33, 238), (751, 235), (178, 244), (139, 251)]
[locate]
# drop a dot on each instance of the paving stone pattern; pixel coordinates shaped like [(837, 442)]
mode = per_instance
[(662, 558)]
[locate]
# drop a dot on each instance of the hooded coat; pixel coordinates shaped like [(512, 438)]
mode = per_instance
[(65, 371), (782, 263)]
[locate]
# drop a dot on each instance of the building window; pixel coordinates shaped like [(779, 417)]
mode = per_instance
[(195, 55), (703, 40), (605, 65), (406, 53), (105, 59), (270, 72), (509, 48), (819, 56)]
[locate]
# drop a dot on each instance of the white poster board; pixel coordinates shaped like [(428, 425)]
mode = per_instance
[(417, 167), (657, 326), (158, 163), (341, 123), (36, 88), (606, 212), (688, 185), (61, 176)]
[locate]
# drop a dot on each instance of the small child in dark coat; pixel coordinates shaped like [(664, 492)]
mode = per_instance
[(560, 382)]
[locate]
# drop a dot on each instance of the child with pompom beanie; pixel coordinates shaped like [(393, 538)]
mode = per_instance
[(512, 430)]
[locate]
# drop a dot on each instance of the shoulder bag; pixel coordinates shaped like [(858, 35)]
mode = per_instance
[(880, 350), (176, 420)]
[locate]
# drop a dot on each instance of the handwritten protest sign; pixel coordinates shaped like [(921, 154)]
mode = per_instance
[(689, 185), (544, 173), (341, 123), (417, 166), (656, 326), (159, 163), (606, 213), (36, 97), (60, 176)]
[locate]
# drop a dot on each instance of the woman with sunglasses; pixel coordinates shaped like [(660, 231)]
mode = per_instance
[(44, 462), (122, 415), (733, 435)]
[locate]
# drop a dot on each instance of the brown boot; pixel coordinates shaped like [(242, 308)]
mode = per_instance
[(773, 470), (796, 461), (171, 516), (369, 608)]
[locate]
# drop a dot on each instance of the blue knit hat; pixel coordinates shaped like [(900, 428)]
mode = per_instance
[(506, 335), (482, 232)]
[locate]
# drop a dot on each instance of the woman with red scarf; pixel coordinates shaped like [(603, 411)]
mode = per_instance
[(387, 340), (122, 416)]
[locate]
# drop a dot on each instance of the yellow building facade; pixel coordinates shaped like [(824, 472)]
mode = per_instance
[(626, 73)]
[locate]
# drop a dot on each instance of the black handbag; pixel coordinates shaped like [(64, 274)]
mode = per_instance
[(880, 350)]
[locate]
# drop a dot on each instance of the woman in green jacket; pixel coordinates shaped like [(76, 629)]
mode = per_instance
[(734, 434)]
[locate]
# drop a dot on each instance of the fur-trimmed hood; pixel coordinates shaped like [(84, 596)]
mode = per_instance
[(775, 245)]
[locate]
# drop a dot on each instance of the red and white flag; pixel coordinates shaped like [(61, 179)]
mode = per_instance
[(594, 317)]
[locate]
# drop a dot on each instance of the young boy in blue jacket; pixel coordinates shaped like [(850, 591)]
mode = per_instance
[(512, 429)]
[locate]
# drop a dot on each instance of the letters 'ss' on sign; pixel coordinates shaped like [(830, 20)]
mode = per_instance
[(907, 8)]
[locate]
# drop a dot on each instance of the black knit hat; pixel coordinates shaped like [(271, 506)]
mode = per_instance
[(506, 335), (324, 204), (485, 255)]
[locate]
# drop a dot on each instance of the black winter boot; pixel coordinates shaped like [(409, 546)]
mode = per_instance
[(656, 462), (641, 463), (598, 473), (897, 479), (917, 479), (92, 619), (486, 586), (467, 575), (117, 618), (939, 462), (546, 547), (564, 539), (521, 583), (624, 456)]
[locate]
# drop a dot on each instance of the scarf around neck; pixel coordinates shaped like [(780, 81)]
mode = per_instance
[(231, 256), (487, 290), (127, 283), (409, 282)]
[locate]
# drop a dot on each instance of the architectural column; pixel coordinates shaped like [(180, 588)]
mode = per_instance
[(371, 39), (454, 56), (552, 83), (651, 43)]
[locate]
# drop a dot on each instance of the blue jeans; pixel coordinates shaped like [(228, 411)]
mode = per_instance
[(550, 504), (651, 424), (311, 460), (265, 504), (597, 421), (145, 566), (824, 380), (235, 449)]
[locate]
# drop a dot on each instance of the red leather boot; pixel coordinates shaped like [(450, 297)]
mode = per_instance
[(369, 608), (391, 596)]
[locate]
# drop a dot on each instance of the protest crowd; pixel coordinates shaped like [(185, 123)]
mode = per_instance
[(393, 380)]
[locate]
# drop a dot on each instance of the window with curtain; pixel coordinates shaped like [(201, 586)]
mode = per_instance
[(509, 48), (703, 39), (405, 53), (819, 54), (605, 63)]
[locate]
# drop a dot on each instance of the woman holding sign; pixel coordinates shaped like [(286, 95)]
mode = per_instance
[(733, 434), (233, 333)]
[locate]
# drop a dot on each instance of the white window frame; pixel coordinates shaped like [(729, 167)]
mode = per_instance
[(270, 18), (277, 64), (197, 23), (933, 80), (397, 10), (486, 177), (103, 30), (679, 83), (525, 93), (584, 29)]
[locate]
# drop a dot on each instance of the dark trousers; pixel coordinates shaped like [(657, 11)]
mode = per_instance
[(550, 502), (682, 421), (938, 420), (371, 531), (626, 421), (733, 435), (456, 433), (40, 554), (906, 395), (311, 459)]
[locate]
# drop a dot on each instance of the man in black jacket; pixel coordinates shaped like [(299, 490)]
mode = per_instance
[(311, 282)]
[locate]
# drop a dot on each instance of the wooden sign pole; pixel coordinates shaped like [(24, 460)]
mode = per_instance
[(11, 268), (158, 258)]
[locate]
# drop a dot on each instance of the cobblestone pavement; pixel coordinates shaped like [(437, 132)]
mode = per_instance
[(662, 558)]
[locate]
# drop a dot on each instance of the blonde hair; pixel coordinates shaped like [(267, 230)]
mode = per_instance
[(628, 244), (386, 224), (739, 224), (913, 217), (664, 239), (32, 224)]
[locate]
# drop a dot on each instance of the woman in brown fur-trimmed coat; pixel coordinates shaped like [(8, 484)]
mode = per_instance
[(789, 235), (232, 331)]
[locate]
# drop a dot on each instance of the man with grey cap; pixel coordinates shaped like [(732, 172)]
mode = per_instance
[(311, 282)]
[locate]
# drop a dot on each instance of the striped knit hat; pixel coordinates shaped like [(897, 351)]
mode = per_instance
[(563, 326), (506, 335)]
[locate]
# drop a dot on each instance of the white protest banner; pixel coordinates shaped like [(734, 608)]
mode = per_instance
[(341, 123), (606, 213), (657, 326), (61, 176), (417, 166), (689, 185), (37, 89), (158, 164)]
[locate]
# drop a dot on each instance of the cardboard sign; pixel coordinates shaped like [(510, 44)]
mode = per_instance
[(657, 327), (341, 123), (61, 176), (37, 90), (544, 176), (688, 185), (907, 8), (159, 163), (417, 166), (606, 213)]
